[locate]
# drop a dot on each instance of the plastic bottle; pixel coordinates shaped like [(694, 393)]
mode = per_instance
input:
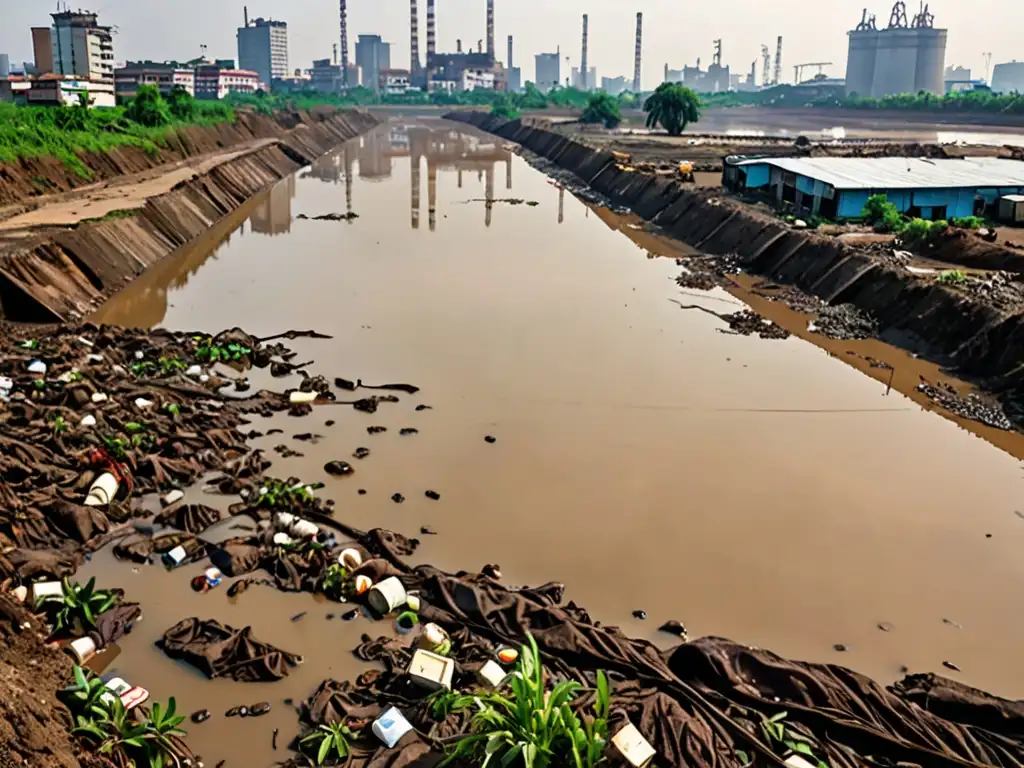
[(102, 491)]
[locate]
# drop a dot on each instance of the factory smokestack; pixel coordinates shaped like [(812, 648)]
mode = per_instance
[(583, 57), (639, 46), (490, 29), (414, 39), (510, 65), (343, 12), (777, 75), (431, 34), (458, 46)]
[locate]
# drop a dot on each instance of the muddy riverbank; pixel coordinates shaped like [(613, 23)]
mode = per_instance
[(965, 331), (65, 273)]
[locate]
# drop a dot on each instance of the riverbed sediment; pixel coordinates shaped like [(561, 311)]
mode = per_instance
[(967, 333)]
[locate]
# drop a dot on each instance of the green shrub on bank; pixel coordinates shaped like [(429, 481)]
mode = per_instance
[(920, 232), (884, 216)]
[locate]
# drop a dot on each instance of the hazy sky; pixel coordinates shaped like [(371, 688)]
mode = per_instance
[(675, 31)]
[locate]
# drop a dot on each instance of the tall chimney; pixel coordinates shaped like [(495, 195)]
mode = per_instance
[(636, 61), (583, 58), (490, 29), (510, 52), (343, 12), (458, 46), (431, 34), (414, 39)]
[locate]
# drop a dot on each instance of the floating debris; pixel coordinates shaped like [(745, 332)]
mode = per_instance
[(299, 616), (840, 648), (490, 439), (640, 614), (885, 626), (201, 716), (952, 666), (434, 495), (258, 710), (427, 531), (408, 431), (349, 616), (397, 498), (338, 468), (376, 430), (844, 322), (424, 407), (361, 453), (674, 627)]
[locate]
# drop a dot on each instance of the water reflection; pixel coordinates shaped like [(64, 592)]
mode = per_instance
[(273, 216)]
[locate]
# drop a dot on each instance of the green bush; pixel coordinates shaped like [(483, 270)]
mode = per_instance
[(968, 222), (884, 216), (505, 108), (673, 106), (602, 108), (148, 108), (919, 232)]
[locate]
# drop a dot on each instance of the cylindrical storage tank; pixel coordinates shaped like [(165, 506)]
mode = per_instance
[(860, 62), (931, 61), (896, 62)]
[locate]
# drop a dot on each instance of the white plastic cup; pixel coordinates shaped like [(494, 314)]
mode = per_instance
[(6, 383), (391, 726), (83, 649), (102, 491), (302, 397), (432, 637), (387, 596), (350, 558)]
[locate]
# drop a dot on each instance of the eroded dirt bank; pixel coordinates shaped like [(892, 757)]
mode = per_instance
[(973, 334), (65, 274)]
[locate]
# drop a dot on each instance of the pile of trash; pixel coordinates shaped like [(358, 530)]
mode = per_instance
[(844, 322), (971, 407)]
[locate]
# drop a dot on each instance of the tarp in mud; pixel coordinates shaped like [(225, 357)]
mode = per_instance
[(222, 651)]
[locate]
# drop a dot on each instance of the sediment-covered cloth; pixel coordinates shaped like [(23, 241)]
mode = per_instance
[(192, 518), (222, 651), (115, 624)]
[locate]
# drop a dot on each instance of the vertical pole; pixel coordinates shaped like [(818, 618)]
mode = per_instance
[(583, 58), (490, 29), (636, 61), (343, 12)]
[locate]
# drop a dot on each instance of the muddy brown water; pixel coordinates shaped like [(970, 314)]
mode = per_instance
[(761, 490)]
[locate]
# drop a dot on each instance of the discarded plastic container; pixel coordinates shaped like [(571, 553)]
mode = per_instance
[(284, 520), (414, 602), (47, 590), (387, 596), (99, 397), (303, 529), (37, 366), (84, 341), (88, 421), (431, 671), (391, 726), (795, 761), (175, 557), (213, 577), (282, 539), (434, 639), (130, 695), (6, 383), (508, 655), (172, 497), (492, 675), (194, 371), (633, 746), (83, 649), (350, 558), (302, 397), (102, 491), (143, 403), (20, 594), (363, 584)]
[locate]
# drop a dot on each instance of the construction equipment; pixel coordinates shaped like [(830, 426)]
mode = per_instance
[(798, 69)]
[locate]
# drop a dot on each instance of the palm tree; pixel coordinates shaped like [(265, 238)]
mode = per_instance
[(673, 106)]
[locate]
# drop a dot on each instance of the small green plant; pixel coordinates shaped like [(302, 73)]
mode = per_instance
[(776, 731), (116, 447), (81, 605), (952, 277), (169, 365), (920, 232), (29, 344), (335, 582), (172, 408), (209, 351), (602, 108), (446, 702), (277, 494), (328, 742), (143, 368), (968, 222), (59, 425), (85, 695)]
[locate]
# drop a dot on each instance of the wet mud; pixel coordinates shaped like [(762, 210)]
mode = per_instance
[(578, 420)]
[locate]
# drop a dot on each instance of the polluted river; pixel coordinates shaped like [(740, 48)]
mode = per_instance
[(581, 428)]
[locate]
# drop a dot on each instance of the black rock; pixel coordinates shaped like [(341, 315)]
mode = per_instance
[(640, 614), (329, 423), (362, 491), (361, 453), (201, 716), (376, 430), (338, 468), (408, 431), (840, 648), (432, 495), (397, 498), (490, 439)]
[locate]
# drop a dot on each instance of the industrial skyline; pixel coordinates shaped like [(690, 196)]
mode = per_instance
[(812, 33)]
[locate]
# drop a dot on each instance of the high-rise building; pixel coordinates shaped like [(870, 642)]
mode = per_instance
[(1008, 77), (5, 65), (549, 71), (372, 56), (81, 47), (42, 49), (514, 80), (263, 49)]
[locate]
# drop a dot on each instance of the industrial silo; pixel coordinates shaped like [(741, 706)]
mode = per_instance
[(931, 60), (896, 62), (860, 62)]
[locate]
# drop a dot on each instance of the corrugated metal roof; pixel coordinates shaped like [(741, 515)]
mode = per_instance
[(902, 172), (1014, 198)]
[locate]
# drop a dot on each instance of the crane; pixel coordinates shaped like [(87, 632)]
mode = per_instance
[(798, 69)]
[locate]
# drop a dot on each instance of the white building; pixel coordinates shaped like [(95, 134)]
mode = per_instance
[(590, 85), (215, 82), (81, 47), (394, 82), (60, 91), (477, 78)]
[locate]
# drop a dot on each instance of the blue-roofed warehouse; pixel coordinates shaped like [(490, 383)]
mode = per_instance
[(838, 187)]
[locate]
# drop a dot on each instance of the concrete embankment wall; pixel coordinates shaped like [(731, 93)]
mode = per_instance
[(28, 178), (66, 276), (945, 325)]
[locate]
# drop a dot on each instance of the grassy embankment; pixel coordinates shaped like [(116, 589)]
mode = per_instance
[(789, 97)]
